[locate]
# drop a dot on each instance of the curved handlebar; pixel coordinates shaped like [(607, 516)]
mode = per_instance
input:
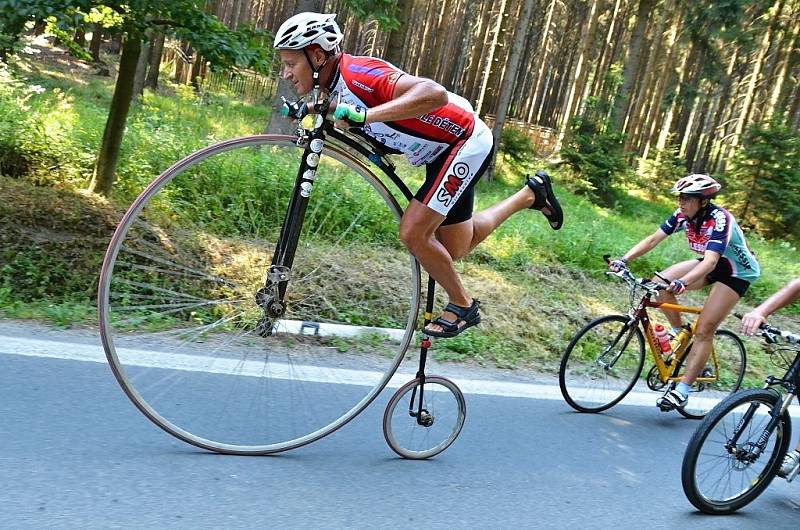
[(771, 333), (627, 276)]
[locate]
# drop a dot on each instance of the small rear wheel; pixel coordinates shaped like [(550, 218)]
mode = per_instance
[(418, 432)]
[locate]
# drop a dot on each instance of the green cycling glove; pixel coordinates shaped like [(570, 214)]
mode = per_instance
[(354, 115)]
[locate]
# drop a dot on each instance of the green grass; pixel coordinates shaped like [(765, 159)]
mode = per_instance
[(538, 287)]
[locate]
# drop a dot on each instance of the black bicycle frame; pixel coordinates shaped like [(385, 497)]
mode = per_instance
[(789, 382), (286, 247)]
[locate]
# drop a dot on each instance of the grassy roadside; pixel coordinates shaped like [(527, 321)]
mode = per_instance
[(537, 286)]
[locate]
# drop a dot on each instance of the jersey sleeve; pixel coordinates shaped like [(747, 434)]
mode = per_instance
[(672, 223), (721, 232), (369, 79)]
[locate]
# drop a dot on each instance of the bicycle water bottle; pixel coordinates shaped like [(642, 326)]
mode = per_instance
[(663, 340)]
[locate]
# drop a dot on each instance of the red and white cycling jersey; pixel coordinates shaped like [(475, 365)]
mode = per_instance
[(368, 82)]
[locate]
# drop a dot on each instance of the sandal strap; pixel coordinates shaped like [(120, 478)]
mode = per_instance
[(463, 312), (536, 183), (447, 325)]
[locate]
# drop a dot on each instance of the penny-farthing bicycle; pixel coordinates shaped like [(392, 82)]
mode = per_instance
[(247, 308)]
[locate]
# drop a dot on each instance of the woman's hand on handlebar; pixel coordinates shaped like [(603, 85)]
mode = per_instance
[(616, 265)]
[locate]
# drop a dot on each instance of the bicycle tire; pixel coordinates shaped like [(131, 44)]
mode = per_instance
[(586, 384), (445, 404), (177, 298), (732, 359), (733, 482)]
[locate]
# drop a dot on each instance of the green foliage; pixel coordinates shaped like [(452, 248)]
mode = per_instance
[(384, 11), (594, 151), (517, 147), (764, 180), (660, 172), (21, 133), (63, 32)]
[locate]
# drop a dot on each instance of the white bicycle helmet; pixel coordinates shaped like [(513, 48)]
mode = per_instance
[(697, 185), (305, 29)]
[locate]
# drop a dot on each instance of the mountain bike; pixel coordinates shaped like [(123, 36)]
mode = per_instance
[(603, 361), (738, 448), (246, 306)]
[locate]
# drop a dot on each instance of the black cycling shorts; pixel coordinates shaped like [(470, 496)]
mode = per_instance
[(723, 273)]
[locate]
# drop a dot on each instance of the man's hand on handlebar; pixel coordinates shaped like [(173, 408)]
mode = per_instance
[(347, 116), (751, 322)]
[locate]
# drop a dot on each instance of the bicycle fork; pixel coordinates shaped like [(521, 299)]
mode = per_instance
[(270, 298), (415, 405), (751, 455)]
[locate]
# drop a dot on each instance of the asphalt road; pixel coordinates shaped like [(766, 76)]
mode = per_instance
[(75, 453)]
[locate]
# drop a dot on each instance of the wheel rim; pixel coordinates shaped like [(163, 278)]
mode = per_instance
[(593, 377), (444, 408), (179, 313), (724, 481)]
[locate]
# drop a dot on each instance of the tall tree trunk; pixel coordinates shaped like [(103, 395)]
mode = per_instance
[(141, 71), (156, 51), (490, 56), (792, 41), (758, 64), (106, 165), (578, 75), (544, 58), (395, 44), (466, 49), (632, 65), (606, 50), (97, 39), (520, 36)]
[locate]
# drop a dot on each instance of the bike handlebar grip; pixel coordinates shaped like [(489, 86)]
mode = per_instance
[(297, 110)]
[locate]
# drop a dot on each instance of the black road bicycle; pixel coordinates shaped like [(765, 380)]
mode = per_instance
[(245, 308), (739, 447)]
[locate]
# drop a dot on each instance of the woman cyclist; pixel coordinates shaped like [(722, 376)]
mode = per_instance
[(750, 324), (726, 262)]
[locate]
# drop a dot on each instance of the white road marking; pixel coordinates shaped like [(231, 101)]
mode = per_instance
[(154, 359)]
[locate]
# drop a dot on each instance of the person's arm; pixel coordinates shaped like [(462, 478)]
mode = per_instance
[(788, 294), (413, 97), (645, 245)]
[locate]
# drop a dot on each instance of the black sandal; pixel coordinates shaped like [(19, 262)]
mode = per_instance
[(545, 198), (470, 316)]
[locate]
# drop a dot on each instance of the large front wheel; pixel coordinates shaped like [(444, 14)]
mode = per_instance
[(184, 308), (727, 464), (602, 363)]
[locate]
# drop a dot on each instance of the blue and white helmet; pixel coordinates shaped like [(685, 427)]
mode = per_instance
[(305, 29)]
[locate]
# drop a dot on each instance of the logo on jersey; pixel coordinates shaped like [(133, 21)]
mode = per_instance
[(444, 124), (452, 184), (720, 221), (367, 70), (362, 86), (698, 239)]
